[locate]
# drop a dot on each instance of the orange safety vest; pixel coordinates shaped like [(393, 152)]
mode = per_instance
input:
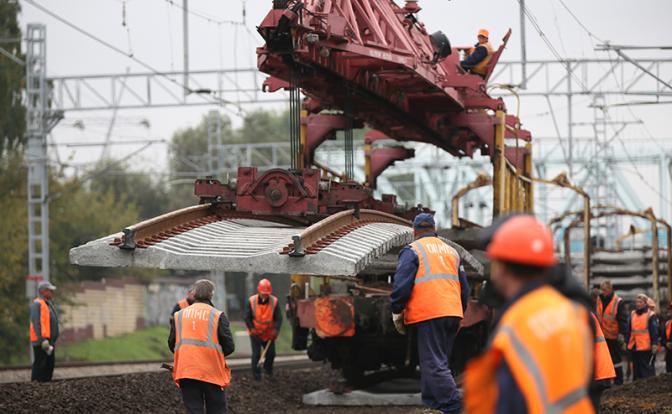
[(607, 316), (604, 366), (183, 303), (262, 316), (45, 322), (545, 340), (198, 353), (668, 330), (482, 67), (436, 290), (639, 331)]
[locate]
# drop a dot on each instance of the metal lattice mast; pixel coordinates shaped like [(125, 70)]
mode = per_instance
[(36, 158), (39, 121)]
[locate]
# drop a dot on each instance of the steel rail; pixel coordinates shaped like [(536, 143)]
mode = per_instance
[(157, 229), (323, 233)]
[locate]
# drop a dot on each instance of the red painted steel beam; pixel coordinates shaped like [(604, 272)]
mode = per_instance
[(383, 158), (378, 56)]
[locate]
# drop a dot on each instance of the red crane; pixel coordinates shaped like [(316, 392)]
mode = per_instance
[(376, 58), (378, 65)]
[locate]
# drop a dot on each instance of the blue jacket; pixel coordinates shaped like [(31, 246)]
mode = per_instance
[(404, 279), (475, 58)]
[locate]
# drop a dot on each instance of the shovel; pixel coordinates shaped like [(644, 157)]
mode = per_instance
[(263, 353)]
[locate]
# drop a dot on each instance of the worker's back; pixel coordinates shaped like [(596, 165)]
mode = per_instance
[(546, 342)]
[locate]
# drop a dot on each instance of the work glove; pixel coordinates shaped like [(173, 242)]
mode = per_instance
[(46, 347), (254, 332), (398, 319)]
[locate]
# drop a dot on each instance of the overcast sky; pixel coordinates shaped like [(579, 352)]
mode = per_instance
[(153, 33)]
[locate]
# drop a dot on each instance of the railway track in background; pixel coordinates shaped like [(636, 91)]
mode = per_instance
[(80, 369)]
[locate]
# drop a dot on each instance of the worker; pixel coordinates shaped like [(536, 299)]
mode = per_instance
[(478, 57), (667, 339), (604, 371), (43, 333), (201, 339), (263, 320), (643, 341), (614, 322), (540, 358), (182, 303), (652, 305), (430, 294)]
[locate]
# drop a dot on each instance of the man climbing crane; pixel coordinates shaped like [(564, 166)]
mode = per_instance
[(430, 294)]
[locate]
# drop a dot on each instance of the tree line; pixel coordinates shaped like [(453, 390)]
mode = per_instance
[(91, 204)]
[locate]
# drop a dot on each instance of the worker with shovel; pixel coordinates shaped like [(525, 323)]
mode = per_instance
[(263, 320)]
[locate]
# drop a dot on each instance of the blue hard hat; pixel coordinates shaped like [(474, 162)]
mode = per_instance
[(424, 220)]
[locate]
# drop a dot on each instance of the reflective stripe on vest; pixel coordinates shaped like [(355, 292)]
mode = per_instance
[(546, 342), (198, 353), (436, 290), (604, 366), (608, 316), (640, 339), (528, 361), (262, 316), (428, 275), (208, 343)]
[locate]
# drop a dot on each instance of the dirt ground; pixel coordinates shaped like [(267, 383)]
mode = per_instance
[(155, 393), (649, 396)]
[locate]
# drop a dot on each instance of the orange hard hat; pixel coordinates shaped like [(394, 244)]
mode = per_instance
[(484, 33), (524, 240), (264, 287)]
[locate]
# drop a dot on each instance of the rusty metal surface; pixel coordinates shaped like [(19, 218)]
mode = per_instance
[(157, 227), (334, 316), (324, 233), (150, 232)]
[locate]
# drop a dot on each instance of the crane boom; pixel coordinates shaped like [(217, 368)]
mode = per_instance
[(378, 58)]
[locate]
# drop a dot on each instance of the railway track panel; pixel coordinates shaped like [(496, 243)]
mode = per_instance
[(342, 244)]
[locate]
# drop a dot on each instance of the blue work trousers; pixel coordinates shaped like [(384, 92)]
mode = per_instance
[(435, 343)]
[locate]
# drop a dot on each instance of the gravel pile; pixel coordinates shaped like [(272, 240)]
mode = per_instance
[(156, 393), (649, 396)]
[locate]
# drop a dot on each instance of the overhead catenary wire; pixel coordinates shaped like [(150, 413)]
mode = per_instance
[(220, 23), (535, 23), (607, 116), (583, 26), (206, 16), (218, 101)]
